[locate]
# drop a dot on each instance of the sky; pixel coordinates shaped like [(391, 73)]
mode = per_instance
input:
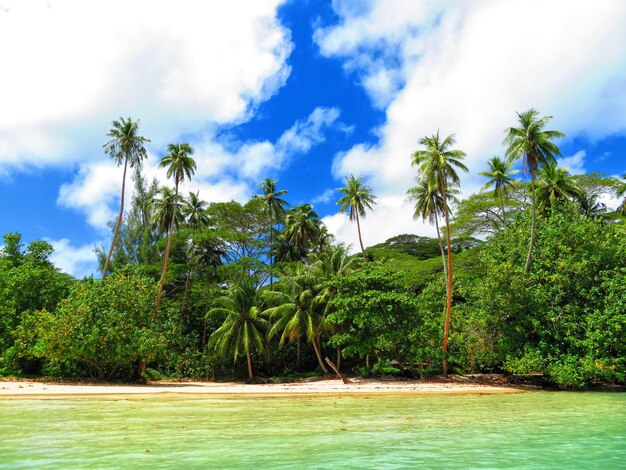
[(303, 91)]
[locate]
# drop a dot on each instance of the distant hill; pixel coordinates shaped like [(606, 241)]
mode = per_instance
[(419, 258)]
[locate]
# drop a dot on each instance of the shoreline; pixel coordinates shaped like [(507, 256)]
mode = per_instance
[(16, 389)]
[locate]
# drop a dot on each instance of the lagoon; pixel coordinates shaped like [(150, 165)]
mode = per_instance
[(520, 430)]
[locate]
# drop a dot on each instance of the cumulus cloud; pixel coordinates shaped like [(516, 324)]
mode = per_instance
[(575, 164), (79, 261), (466, 67), (70, 67), (226, 169)]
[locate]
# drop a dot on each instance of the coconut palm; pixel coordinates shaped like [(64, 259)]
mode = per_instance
[(194, 211), (275, 208), (244, 329), (621, 210), (356, 198), (429, 207), (302, 226), (500, 177), (163, 213), (591, 207), (294, 310), (125, 146), (438, 163), (179, 165), (533, 144), (556, 185)]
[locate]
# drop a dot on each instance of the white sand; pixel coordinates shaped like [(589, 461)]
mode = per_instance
[(25, 388)]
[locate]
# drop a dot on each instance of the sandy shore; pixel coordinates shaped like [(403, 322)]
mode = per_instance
[(38, 389)]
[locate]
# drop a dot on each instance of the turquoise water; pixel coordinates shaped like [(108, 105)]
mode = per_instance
[(526, 430)]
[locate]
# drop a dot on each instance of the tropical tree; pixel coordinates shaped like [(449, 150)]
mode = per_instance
[(126, 147), (533, 144), (179, 165), (429, 206), (194, 211), (438, 162), (302, 226), (164, 214), (244, 329), (356, 198), (556, 185), (294, 310), (275, 208), (500, 177)]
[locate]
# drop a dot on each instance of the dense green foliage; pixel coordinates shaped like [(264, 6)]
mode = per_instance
[(258, 289)]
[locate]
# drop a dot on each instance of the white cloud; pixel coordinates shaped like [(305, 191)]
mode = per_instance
[(79, 261), (70, 67), (226, 169), (575, 164), (466, 67), (324, 197)]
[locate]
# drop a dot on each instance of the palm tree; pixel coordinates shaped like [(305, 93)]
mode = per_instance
[(356, 198), (621, 210), (126, 146), (180, 165), (163, 213), (294, 310), (429, 206), (534, 145), (438, 163), (194, 211), (244, 329), (556, 185), (302, 226), (500, 177), (591, 207), (275, 207)]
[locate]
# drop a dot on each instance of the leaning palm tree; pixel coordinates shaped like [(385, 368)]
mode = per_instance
[(294, 310), (429, 207), (302, 227), (556, 185), (533, 144), (438, 163), (275, 209), (500, 177), (356, 198), (244, 329), (126, 146), (179, 165)]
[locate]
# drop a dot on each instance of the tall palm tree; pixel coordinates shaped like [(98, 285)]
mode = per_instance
[(275, 207), (244, 329), (294, 310), (533, 144), (356, 198), (179, 165), (125, 146), (429, 207), (556, 185), (500, 177), (302, 226), (621, 210), (194, 211), (438, 163)]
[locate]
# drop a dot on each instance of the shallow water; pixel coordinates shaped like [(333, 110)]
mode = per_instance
[(526, 430)]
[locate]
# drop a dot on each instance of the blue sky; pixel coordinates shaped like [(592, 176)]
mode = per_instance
[(303, 91)]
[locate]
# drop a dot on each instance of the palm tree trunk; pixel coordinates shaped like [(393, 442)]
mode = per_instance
[(183, 310), (271, 258), (119, 222), (166, 259), (446, 327), (533, 223), (443, 256), (358, 227), (338, 361), (318, 354), (250, 374)]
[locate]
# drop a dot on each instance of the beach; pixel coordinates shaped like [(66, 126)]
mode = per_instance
[(27, 388)]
